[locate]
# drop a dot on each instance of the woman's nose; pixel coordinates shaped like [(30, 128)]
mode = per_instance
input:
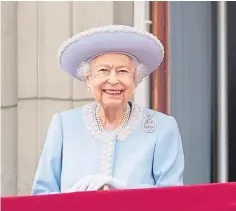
[(113, 77)]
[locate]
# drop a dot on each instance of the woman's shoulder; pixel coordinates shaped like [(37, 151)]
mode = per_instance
[(162, 120), (161, 124), (157, 115), (146, 113), (73, 113)]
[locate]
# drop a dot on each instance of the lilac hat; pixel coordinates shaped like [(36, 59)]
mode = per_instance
[(85, 46)]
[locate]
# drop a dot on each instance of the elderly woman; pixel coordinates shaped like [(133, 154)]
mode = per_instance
[(111, 141)]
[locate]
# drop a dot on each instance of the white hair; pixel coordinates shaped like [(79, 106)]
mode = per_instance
[(140, 71)]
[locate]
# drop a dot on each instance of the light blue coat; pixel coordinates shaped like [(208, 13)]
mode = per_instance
[(146, 153)]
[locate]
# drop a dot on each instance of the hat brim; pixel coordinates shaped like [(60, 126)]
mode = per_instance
[(146, 50)]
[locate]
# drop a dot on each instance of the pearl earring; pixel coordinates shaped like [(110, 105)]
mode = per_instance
[(89, 89)]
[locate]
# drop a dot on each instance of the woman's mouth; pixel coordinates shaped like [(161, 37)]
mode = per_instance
[(113, 92)]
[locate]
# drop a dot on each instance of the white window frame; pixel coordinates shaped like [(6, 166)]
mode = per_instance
[(141, 21)]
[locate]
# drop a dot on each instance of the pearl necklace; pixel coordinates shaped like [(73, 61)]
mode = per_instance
[(123, 122)]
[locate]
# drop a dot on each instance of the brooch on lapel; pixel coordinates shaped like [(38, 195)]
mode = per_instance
[(149, 124)]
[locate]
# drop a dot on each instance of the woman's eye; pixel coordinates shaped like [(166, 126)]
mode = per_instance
[(102, 70), (123, 71)]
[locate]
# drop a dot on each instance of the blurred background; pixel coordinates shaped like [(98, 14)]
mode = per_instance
[(195, 84)]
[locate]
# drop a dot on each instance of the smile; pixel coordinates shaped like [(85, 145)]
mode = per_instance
[(113, 92)]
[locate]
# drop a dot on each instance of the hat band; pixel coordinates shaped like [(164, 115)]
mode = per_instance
[(112, 52)]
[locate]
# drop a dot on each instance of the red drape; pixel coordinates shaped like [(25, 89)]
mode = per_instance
[(211, 197)]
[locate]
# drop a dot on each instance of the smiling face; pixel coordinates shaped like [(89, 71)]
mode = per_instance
[(112, 79)]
